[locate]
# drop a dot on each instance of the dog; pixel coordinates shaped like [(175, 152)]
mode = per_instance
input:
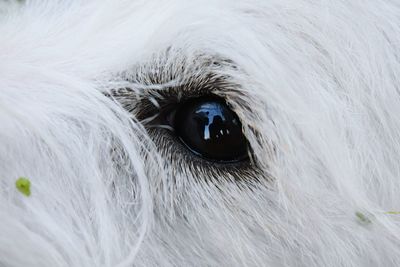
[(199, 133)]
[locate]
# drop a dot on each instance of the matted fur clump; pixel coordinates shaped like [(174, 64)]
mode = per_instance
[(314, 83)]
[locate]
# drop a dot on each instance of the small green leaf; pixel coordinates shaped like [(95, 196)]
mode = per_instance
[(24, 186), (363, 218)]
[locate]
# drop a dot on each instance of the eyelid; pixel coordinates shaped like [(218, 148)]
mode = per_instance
[(165, 113), (164, 118)]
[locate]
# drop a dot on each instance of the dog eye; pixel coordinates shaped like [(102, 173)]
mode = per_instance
[(210, 129)]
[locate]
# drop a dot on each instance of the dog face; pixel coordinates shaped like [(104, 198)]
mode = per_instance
[(200, 133)]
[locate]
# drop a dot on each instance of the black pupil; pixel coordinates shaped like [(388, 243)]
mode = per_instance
[(209, 128)]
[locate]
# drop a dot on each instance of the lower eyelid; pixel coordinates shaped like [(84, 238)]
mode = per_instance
[(172, 150)]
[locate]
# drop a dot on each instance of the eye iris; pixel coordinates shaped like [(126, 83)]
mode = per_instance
[(210, 129)]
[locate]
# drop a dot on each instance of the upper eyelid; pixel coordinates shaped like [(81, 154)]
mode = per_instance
[(164, 81), (200, 72), (148, 101)]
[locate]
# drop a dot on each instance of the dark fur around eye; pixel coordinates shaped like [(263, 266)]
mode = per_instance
[(168, 113)]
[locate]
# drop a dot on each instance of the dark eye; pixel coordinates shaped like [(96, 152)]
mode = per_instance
[(210, 129)]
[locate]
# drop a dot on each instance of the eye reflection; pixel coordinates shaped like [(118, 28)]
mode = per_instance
[(210, 129), (212, 122)]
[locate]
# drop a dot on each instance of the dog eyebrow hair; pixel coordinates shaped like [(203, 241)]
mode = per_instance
[(147, 100), (162, 81)]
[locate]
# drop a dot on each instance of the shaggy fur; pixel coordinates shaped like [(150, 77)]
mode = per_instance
[(314, 82)]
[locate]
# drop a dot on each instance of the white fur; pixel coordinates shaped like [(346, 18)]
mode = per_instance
[(321, 80)]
